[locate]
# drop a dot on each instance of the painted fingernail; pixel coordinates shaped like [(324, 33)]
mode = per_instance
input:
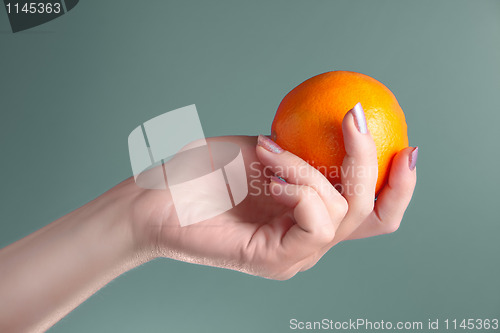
[(412, 162), (269, 144), (359, 118), (278, 179)]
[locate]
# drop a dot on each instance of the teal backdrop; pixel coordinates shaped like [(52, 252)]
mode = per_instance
[(71, 90)]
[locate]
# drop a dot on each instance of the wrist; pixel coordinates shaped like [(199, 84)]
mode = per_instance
[(54, 269), (114, 209), (140, 215)]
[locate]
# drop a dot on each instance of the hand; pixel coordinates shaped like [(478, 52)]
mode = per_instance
[(281, 227)]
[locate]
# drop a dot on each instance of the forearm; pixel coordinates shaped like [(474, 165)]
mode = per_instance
[(50, 272)]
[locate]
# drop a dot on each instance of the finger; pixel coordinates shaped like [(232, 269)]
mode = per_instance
[(296, 171), (359, 169), (312, 229), (393, 199)]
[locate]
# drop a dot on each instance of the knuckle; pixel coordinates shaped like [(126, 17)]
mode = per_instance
[(392, 227), (342, 207), (361, 210), (297, 167), (325, 233), (300, 168), (366, 154), (366, 209), (371, 151), (329, 236), (366, 150), (308, 193)]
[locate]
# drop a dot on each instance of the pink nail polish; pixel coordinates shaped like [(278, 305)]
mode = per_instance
[(269, 144), (359, 118), (412, 162), (278, 180)]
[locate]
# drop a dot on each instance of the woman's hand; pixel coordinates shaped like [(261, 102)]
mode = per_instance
[(283, 226)]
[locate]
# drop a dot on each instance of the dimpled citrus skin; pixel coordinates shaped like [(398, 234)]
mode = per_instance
[(308, 121)]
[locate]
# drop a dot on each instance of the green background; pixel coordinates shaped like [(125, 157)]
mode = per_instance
[(72, 90)]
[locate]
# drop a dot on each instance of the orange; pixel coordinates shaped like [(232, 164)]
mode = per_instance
[(308, 121)]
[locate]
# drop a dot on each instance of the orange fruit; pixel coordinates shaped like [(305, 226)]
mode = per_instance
[(308, 121)]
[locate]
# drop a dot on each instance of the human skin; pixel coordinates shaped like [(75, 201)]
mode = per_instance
[(47, 274)]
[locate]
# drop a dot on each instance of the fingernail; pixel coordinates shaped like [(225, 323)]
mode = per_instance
[(359, 118), (278, 179), (412, 162), (269, 144)]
